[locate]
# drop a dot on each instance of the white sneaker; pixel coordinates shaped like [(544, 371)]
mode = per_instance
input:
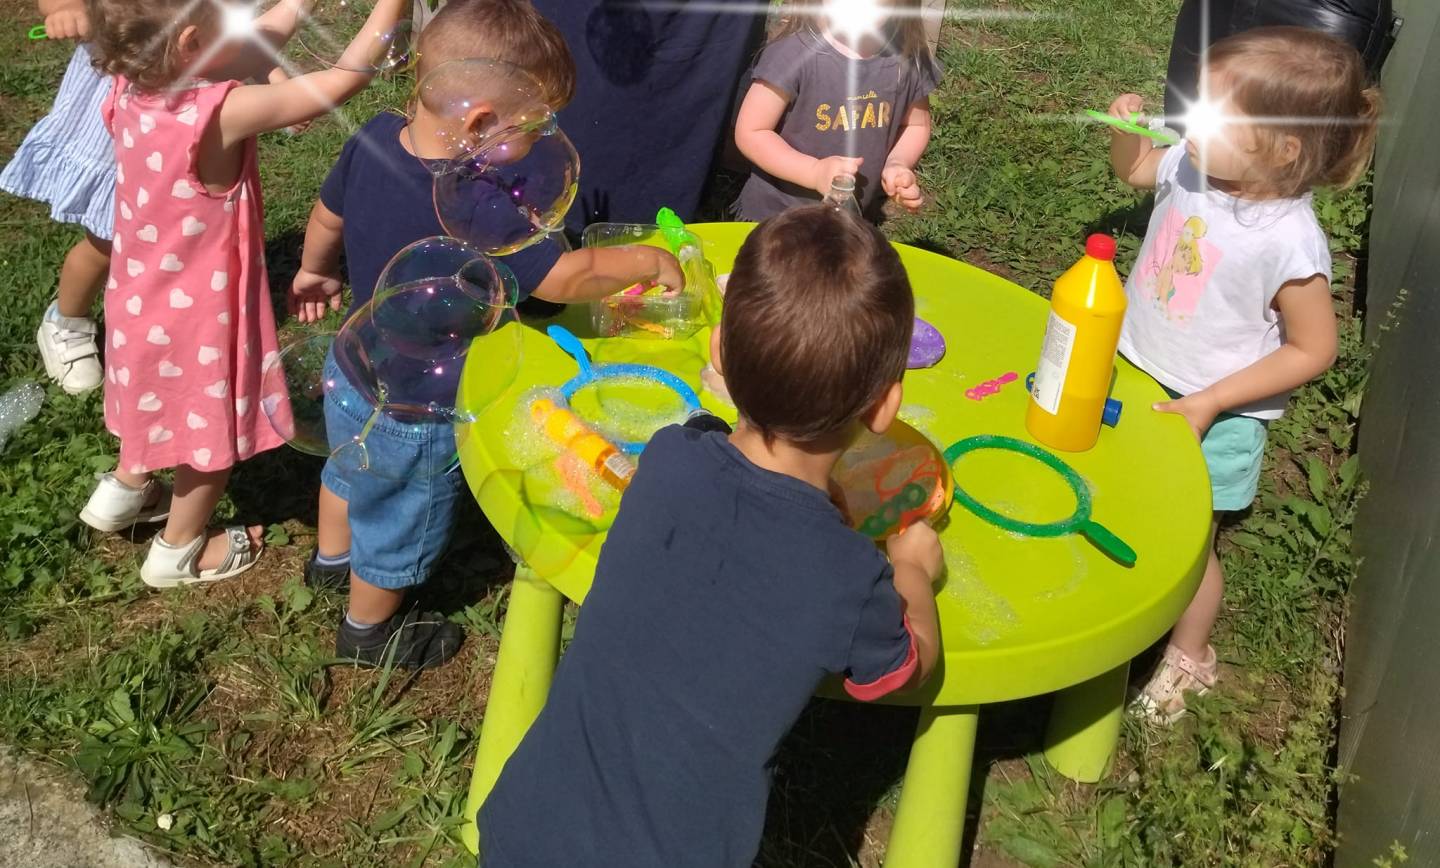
[(115, 506), (67, 344)]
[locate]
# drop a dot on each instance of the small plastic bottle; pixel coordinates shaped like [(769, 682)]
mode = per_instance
[(18, 406), (1077, 359), (566, 430), (842, 194)]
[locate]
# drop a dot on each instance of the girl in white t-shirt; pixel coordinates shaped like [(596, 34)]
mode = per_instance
[(1230, 303)]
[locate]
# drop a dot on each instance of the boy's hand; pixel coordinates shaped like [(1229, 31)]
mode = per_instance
[(1125, 105), (1199, 409), (67, 24), (919, 546), (900, 184), (311, 293), (826, 169)]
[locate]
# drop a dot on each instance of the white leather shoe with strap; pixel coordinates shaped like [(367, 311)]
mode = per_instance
[(168, 566), (113, 505), (67, 346)]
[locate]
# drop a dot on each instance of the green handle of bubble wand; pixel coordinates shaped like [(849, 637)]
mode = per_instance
[(1130, 126), (1108, 542), (38, 32)]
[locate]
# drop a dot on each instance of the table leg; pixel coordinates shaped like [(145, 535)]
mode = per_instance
[(1085, 726), (524, 667), (930, 820)]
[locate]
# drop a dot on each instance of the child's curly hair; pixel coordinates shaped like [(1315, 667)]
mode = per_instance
[(1311, 87), (140, 39)]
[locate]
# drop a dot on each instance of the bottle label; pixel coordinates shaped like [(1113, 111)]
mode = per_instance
[(1054, 363)]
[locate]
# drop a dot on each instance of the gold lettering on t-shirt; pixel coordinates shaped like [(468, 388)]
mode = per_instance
[(822, 117), (884, 113), (869, 119), (841, 121)]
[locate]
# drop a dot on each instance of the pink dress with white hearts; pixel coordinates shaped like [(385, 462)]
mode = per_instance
[(190, 336)]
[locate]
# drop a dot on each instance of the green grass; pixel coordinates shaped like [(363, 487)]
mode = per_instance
[(217, 713)]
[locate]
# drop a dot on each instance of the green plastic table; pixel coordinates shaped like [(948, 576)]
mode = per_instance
[(1019, 616)]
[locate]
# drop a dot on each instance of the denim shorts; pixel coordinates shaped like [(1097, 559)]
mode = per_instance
[(402, 512)]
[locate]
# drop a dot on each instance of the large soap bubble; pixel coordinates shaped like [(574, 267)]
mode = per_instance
[(439, 305), (435, 301), (505, 174), (327, 27), (302, 367)]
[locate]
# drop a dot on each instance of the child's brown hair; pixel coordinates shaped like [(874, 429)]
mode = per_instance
[(139, 39), (904, 28), (1309, 86), (511, 31), (816, 325)]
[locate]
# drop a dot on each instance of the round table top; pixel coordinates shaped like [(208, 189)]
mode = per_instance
[(1019, 616)]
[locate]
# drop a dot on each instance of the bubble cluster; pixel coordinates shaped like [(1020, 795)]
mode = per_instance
[(505, 173), (327, 28), (439, 306)]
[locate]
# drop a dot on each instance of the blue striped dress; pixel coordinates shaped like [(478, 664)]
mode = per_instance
[(68, 158)]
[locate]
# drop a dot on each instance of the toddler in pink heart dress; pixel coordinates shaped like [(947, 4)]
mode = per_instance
[(191, 356)]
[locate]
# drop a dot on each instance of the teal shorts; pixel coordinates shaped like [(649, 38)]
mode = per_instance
[(1233, 448)]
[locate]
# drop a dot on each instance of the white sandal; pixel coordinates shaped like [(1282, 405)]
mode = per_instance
[(168, 566), (113, 505)]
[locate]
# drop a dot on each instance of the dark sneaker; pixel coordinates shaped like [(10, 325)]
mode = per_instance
[(411, 640), (322, 578)]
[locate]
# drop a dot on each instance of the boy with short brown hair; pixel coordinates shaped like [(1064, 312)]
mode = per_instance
[(730, 586)]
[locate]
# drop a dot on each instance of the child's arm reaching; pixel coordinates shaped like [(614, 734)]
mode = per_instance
[(1310, 347), (258, 56), (65, 19), (756, 138), (918, 562), (898, 179), (1134, 158), (594, 273), (317, 284), (253, 109)]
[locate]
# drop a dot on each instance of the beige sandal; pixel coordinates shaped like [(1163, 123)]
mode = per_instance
[(168, 566)]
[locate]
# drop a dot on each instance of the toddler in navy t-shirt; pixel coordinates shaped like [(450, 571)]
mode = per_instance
[(730, 586), (380, 537)]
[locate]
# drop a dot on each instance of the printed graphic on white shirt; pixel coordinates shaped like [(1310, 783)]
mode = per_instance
[(1178, 266)]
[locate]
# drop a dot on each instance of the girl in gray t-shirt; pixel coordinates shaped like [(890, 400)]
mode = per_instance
[(838, 97)]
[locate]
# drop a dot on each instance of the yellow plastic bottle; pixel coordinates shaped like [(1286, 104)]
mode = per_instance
[(1077, 359), (566, 430)]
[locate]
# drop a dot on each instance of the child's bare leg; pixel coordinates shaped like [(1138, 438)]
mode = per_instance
[(332, 532), (195, 494), (372, 605), (83, 275), (1192, 632)]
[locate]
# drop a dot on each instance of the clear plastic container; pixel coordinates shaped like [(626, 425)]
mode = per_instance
[(653, 314)]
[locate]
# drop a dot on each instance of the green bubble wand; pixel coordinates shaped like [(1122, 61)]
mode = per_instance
[(1078, 522), (1133, 125)]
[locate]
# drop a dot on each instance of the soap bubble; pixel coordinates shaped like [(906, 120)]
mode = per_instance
[(327, 28), (302, 364), (436, 345), (505, 174), (437, 302)]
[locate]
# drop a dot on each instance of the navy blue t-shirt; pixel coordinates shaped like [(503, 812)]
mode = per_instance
[(724, 595), (386, 197)]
